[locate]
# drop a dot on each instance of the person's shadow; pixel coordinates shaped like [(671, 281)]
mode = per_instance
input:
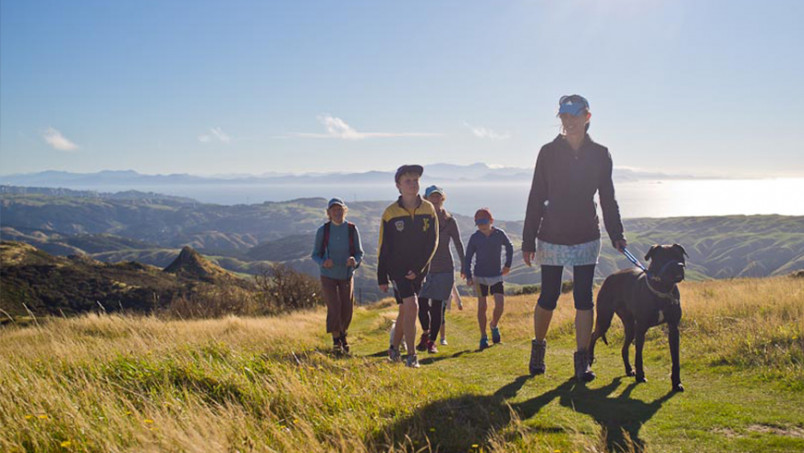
[(465, 422)]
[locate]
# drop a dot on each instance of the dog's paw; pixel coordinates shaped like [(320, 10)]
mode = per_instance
[(641, 379), (678, 387), (630, 373)]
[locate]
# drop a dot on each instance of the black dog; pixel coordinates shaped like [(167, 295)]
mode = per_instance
[(643, 300)]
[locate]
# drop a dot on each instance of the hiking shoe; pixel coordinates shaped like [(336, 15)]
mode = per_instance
[(583, 372), (393, 355), (412, 361), (344, 344), (537, 350), (495, 335), (422, 346), (444, 342), (431, 347), (337, 349), (484, 343)]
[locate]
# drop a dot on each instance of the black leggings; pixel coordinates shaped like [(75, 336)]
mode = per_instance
[(430, 315), (582, 276)]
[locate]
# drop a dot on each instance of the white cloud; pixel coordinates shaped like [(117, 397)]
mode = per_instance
[(217, 134), (338, 128), (54, 138), (483, 132)]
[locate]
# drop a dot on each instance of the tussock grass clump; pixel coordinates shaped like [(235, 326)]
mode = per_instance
[(749, 325)]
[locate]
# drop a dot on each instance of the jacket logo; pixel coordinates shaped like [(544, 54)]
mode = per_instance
[(426, 225), (400, 225)]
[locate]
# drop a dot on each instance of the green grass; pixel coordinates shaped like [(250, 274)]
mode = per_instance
[(144, 384)]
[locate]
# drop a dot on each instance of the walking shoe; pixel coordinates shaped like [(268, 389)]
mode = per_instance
[(431, 348), (484, 342), (583, 372), (444, 342), (337, 349), (344, 344), (495, 335), (422, 346), (393, 355), (537, 350), (412, 361)]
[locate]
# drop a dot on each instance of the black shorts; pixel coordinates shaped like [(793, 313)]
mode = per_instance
[(404, 288), (496, 288)]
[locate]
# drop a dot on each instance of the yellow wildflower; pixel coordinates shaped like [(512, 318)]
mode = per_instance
[(148, 420), (28, 417), (66, 444), (43, 416)]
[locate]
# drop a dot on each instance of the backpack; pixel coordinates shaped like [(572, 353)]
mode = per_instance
[(325, 242)]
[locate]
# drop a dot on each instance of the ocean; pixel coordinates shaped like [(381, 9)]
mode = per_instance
[(507, 201)]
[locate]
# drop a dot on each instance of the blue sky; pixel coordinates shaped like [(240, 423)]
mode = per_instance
[(203, 87)]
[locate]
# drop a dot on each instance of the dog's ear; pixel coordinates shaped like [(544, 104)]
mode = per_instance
[(650, 252), (677, 246)]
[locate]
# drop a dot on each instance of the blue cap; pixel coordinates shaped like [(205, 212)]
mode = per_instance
[(573, 104), (335, 201), (433, 189)]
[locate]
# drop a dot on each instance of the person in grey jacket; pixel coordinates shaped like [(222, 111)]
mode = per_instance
[(562, 215), (441, 278)]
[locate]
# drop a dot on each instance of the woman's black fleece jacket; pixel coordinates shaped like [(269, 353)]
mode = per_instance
[(561, 207)]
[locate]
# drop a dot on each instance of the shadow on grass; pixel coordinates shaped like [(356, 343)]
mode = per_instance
[(466, 422), (621, 417)]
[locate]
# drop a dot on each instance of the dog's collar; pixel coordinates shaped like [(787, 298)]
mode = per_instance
[(668, 295)]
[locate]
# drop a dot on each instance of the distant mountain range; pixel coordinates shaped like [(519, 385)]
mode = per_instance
[(443, 172), (151, 228)]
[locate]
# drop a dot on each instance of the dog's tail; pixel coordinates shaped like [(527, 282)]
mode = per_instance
[(605, 311)]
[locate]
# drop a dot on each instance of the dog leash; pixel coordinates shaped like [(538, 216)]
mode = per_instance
[(633, 259)]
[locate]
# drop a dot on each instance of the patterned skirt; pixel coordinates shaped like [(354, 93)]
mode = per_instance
[(548, 254)]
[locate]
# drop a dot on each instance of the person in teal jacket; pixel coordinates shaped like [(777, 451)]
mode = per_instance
[(338, 252)]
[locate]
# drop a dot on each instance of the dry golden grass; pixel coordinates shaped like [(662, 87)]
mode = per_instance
[(109, 383)]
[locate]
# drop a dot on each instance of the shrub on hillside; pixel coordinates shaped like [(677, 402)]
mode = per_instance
[(281, 289)]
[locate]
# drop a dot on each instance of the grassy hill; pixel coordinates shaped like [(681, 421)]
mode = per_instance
[(32, 280), (109, 383)]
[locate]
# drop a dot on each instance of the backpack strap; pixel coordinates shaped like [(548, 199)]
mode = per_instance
[(325, 241)]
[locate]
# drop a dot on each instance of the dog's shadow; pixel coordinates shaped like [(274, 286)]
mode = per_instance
[(457, 424), (621, 417)]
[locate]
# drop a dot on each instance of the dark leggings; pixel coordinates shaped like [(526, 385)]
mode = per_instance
[(582, 276), (430, 315)]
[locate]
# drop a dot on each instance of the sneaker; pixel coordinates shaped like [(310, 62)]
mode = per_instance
[(537, 350), (495, 335), (412, 361), (583, 372), (484, 342), (422, 346), (337, 349), (431, 347), (444, 342), (393, 355)]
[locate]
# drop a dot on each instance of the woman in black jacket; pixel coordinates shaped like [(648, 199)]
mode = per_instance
[(562, 215)]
